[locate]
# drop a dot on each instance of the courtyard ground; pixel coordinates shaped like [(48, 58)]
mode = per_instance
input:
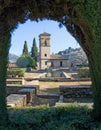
[(46, 88)]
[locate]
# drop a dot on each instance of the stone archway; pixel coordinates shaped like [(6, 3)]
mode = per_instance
[(81, 18)]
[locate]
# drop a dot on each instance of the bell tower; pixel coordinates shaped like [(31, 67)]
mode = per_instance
[(44, 46)]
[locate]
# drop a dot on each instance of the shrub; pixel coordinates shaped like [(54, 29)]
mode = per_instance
[(83, 72), (15, 72), (68, 117), (26, 61)]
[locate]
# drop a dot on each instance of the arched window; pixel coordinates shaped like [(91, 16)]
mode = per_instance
[(45, 55), (45, 43)]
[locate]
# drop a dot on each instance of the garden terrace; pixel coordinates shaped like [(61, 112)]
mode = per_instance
[(15, 81)]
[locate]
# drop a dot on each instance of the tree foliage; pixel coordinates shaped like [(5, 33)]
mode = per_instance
[(26, 61), (25, 49), (34, 50), (4, 50), (66, 51)]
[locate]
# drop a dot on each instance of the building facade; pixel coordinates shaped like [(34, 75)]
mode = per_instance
[(46, 60)]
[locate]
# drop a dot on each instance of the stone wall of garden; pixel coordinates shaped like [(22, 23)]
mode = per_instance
[(14, 89), (82, 91)]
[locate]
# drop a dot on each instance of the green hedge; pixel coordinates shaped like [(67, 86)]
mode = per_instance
[(83, 72), (68, 117), (17, 72)]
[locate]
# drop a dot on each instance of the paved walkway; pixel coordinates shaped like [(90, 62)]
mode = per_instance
[(34, 82)]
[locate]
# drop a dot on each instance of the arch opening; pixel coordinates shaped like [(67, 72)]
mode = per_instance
[(60, 39), (74, 15), (30, 29)]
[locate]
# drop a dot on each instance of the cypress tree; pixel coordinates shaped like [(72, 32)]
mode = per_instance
[(25, 49), (5, 39), (34, 50)]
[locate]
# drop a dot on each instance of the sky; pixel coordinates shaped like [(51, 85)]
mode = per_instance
[(60, 40)]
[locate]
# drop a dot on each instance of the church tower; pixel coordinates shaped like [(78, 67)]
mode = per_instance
[(44, 46)]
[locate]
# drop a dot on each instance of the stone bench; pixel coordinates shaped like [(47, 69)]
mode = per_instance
[(30, 92), (16, 100)]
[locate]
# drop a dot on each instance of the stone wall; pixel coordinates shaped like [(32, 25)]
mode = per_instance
[(16, 100), (82, 91), (15, 81), (14, 89)]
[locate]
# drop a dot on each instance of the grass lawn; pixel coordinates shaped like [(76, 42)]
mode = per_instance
[(53, 87)]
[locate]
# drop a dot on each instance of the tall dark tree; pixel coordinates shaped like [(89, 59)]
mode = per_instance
[(25, 49), (34, 50), (5, 39)]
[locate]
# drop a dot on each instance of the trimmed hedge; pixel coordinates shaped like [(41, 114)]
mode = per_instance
[(15, 72), (68, 117)]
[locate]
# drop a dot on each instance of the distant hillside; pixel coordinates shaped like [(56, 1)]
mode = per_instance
[(13, 58), (66, 51)]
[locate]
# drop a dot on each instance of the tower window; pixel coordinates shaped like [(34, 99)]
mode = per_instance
[(45, 55), (45, 43), (60, 63)]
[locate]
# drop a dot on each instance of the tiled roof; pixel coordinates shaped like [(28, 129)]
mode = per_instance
[(44, 34), (57, 57)]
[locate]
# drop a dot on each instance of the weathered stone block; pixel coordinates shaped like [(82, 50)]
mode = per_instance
[(16, 100), (29, 93)]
